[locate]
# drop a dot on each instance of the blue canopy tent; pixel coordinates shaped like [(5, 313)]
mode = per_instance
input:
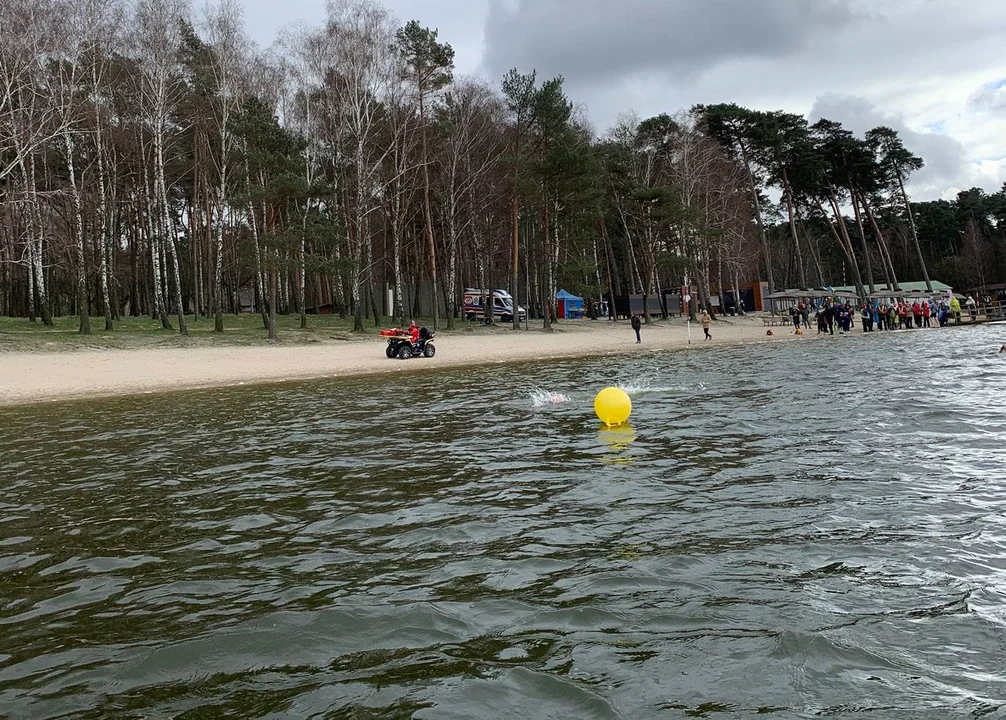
[(570, 306)]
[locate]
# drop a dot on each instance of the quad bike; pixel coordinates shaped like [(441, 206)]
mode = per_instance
[(400, 344)]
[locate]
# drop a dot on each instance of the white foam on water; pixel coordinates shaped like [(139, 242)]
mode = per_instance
[(542, 398), (645, 387)]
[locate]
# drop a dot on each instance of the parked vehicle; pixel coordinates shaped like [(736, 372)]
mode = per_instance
[(474, 300)]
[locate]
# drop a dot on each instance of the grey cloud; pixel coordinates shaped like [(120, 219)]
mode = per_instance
[(664, 55), (946, 158), (920, 59), (600, 40)]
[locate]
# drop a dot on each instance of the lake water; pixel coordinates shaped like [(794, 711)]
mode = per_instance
[(798, 529)]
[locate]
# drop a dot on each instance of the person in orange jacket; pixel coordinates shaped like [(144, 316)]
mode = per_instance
[(413, 332)]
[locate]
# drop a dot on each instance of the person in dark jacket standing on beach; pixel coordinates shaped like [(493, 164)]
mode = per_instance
[(635, 326)]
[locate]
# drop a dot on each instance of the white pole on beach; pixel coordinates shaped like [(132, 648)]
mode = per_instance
[(687, 300)]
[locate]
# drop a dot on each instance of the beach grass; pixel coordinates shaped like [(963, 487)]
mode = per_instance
[(22, 335)]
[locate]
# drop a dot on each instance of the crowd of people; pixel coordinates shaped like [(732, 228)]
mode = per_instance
[(832, 316)]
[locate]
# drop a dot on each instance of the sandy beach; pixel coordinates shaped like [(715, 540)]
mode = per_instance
[(30, 377)]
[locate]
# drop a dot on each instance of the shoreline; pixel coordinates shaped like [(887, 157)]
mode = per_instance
[(36, 377)]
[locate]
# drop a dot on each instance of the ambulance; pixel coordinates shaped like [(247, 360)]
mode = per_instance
[(473, 305)]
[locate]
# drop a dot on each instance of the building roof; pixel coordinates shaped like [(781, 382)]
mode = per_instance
[(911, 286)]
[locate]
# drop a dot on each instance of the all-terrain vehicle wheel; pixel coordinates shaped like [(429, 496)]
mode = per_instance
[(390, 351), (430, 350), (404, 351)]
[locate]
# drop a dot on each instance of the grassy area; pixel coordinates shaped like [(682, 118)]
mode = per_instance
[(18, 334)]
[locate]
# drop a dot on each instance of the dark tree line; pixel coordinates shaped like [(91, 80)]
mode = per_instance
[(153, 162)]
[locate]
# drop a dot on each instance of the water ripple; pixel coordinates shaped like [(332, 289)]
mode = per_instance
[(807, 529)]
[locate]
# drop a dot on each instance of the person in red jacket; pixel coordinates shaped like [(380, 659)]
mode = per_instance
[(413, 332)]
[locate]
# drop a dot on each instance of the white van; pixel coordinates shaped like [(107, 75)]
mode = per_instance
[(473, 305)]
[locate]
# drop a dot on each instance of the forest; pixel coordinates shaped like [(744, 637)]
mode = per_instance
[(154, 162)]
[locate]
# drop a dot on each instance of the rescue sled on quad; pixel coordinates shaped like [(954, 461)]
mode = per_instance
[(400, 343)]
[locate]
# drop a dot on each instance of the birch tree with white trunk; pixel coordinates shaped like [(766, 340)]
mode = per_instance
[(68, 78), (472, 149), (101, 22), (400, 180), (357, 70), (29, 121), (158, 43), (222, 26)]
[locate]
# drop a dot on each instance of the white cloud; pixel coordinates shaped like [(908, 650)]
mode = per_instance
[(946, 159)]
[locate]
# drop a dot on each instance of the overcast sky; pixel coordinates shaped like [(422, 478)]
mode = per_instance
[(933, 69)]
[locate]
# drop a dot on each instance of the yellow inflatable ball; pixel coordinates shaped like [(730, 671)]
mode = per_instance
[(612, 406)]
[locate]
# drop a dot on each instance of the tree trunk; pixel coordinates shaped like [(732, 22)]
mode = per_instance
[(160, 187), (756, 202), (635, 279), (450, 300), (134, 265), (32, 295), (218, 266), (84, 324), (357, 303), (842, 237), (814, 254), (882, 242), (614, 285), (155, 267), (259, 281), (702, 280), (857, 276), (35, 238), (515, 256), (737, 292), (915, 235), (356, 246), (302, 280), (183, 328), (428, 211), (368, 277), (862, 239), (396, 251), (196, 224), (274, 277), (375, 306), (194, 249), (646, 243), (788, 192), (104, 241), (152, 221), (546, 303)]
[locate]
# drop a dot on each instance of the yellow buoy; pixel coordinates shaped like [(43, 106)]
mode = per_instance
[(612, 406)]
